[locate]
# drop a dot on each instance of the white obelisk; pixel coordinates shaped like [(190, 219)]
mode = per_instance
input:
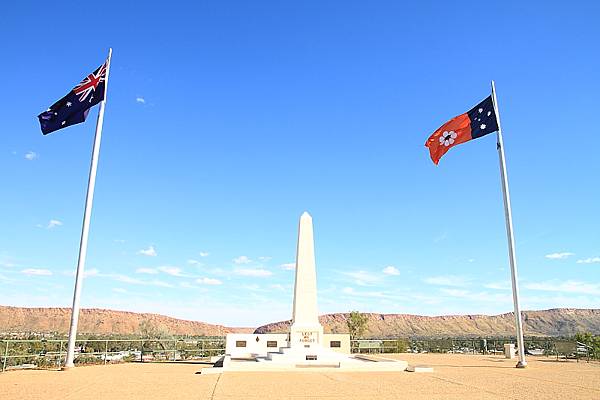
[(306, 331)]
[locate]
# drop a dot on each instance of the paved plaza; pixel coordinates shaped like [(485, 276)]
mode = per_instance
[(454, 377)]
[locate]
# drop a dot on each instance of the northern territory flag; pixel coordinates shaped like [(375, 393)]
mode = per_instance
[(477, 122), (75, 106)]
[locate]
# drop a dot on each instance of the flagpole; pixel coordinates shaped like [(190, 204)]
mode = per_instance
[(511, 239), (86, 225)]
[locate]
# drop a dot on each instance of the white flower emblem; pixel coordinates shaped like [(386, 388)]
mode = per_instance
[(447, 138)]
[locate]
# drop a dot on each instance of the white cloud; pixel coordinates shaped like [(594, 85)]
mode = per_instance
[(7, 264), (119, 290), (159, 283), (173, 271), (204, 254), (125, 279), (589, 260), (140, 100), (188, 285), (447, 280), (497, 285), (477, 297), (569, 286), (193, 262), (455, 292), (277, 286), (559, 256), (362, 278), (136, 281), (150, 252), (288, 266), (440, 237), (265, 258), (242, 260), (90, 272), (255, 272), (152, 271), (391, 270), (36, 272), (351, 292), (86, 273), (31, 155), (54, 223), (209, 281)]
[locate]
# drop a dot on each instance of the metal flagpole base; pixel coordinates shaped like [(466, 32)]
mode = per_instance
[(67, 367), (521, 364)]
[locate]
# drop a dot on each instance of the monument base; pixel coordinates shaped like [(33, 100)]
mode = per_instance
[(312, 358), (349, 364)]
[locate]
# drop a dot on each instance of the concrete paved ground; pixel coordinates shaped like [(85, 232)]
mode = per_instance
[(455, 377)]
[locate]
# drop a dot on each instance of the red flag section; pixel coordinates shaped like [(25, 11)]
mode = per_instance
[(453, 132)]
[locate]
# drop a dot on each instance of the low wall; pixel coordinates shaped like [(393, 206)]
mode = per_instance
[(244, 345)]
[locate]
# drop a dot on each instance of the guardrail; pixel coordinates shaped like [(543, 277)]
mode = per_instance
[(451, 345), (51, 353)]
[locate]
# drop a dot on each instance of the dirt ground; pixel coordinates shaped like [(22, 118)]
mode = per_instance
[(455, 377)]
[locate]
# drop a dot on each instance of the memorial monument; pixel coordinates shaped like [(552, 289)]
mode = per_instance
[(305, 346)]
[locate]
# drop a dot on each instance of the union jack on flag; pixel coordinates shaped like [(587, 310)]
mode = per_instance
[(90, 83), (75, 106)]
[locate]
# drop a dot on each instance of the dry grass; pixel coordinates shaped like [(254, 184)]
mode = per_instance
[(455, 377)]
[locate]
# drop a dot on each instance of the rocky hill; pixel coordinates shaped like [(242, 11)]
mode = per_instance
[(102, 322), (554, 322)]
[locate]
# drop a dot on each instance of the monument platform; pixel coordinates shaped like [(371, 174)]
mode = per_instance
[(332, 363)]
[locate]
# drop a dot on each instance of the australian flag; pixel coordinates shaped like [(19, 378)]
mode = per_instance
[(75, 106)]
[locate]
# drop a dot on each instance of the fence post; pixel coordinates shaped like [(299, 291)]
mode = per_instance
[(142, 350), (174, 349), (5, 357), (60, 354), (105, 351)]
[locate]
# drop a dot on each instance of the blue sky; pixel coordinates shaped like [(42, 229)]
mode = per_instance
[(226, 120)]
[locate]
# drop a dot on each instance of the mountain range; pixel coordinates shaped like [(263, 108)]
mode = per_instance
[(553, 322)]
